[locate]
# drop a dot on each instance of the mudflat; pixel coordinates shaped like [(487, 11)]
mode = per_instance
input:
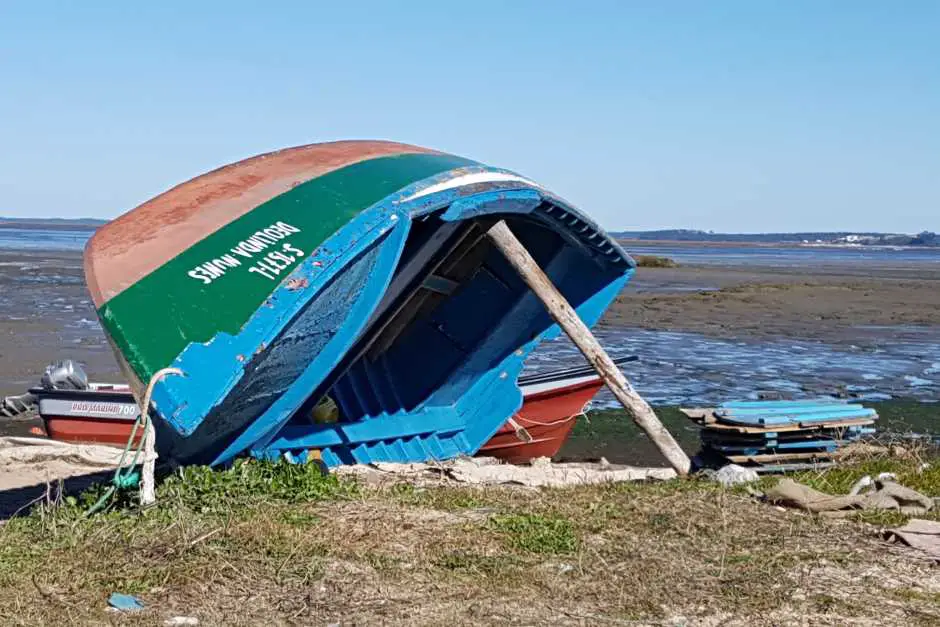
[(46, 313), (832, 303)]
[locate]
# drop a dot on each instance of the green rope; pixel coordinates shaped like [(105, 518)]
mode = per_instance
[(125, 477)]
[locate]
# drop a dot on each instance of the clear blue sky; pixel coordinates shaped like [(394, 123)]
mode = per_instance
[(733, 116)]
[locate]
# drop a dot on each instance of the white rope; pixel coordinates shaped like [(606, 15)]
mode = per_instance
[(584, 410), (148, 490), (552, 424)]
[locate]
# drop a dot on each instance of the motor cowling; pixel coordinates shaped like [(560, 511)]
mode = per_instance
[(64, 375)]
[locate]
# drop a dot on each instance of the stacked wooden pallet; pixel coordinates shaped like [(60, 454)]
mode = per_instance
[(775, 436)]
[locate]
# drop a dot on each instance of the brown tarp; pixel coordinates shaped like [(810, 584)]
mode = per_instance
[(918, 534), (887, 495)]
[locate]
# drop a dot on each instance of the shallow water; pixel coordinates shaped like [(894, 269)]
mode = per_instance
[(43, 239), (674, 368), (786, 256), (691, 369)]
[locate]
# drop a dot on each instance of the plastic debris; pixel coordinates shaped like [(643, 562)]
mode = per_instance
[(732, 474), (861, 484), (125, 602)]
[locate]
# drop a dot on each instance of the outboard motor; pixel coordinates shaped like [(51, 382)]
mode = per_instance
[(65, 375), (13, 406)]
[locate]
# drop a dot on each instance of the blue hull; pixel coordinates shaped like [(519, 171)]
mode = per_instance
[(407, 318)]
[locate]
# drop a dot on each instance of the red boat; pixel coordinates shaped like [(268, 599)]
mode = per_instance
[(551, 405), (543, 423), (552, 402)]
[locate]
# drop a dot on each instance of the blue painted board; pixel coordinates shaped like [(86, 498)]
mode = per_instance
[(772, 447), (774, 404), (806, 409), (843, 433), (801, 419)]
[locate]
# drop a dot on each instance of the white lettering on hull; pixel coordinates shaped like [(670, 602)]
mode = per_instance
[(270, 265)]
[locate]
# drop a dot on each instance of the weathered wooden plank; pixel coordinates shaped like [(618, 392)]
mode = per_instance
[(781, 457), (416, 302), (835, 424), (567, 318)]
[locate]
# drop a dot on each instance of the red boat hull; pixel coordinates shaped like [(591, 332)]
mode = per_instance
[(103, 414), (548, 416), (90, 430)]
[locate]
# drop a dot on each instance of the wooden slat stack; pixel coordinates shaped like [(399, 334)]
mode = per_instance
[(775, 436)]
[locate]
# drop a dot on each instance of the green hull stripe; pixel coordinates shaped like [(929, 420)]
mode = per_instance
[(217, 284)]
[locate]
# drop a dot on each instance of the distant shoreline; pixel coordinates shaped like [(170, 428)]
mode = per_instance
[(653, 243), (635, 239), (51, 225), (841, 239)]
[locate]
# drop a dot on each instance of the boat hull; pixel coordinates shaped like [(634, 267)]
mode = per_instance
[(89, 430), (547, 416)]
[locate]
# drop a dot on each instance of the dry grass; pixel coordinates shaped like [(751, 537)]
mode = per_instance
[(243, 546)]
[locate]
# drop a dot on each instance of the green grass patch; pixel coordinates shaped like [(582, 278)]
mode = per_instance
[(199, 511), (534, 533), (250, 481), (442, 498), (903, 416)]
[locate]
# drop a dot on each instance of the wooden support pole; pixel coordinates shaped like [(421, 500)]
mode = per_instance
[(565, 315)]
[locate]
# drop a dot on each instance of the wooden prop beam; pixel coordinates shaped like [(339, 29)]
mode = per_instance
[(565, 315)]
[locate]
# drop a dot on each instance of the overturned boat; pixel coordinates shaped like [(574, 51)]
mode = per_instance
[(352, 271)]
